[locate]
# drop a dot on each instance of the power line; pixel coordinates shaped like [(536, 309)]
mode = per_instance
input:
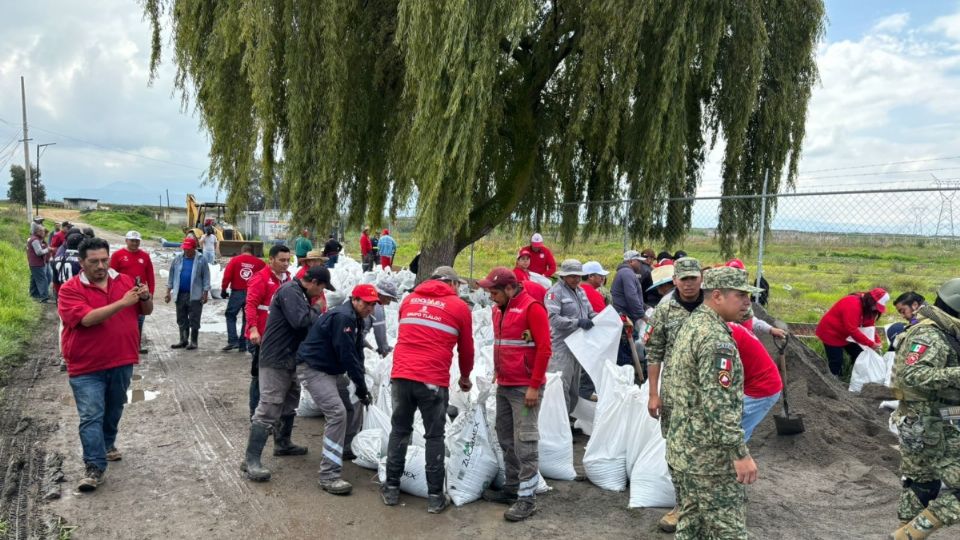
[(877, 173), (112, 149), (881, 164)]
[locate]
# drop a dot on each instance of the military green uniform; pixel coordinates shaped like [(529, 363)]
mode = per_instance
[(926, 378), (661, 334)]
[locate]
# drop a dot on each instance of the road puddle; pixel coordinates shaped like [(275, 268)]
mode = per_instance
[(136, 395)]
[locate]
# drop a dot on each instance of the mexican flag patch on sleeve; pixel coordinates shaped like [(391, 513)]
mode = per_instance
[(724, 364), (918, 348)]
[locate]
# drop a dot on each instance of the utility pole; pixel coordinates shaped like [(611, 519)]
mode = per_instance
[(26, 152)]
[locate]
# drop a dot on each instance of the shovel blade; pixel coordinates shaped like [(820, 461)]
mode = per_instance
[(789, 425)]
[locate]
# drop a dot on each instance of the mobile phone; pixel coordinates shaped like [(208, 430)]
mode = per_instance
[(137, 281)]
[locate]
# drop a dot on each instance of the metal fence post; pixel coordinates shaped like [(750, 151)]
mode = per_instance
[(763, 230), (626, 224), (471, 259)]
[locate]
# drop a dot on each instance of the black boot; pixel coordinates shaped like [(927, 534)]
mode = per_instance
[(183, 340), (282, 446), (251, 465), (193, 339)]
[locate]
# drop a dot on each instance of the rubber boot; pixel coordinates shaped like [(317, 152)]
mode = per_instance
[(194, 332), (668, 523), (252, 466), (282, 446), (921, 527), (183, 340), (521, 510)]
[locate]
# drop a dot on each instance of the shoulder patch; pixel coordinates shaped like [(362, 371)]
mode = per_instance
[(723, 347), (724, 379), (911, 359)]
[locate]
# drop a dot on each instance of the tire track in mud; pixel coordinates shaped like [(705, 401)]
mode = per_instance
[(208, 422)]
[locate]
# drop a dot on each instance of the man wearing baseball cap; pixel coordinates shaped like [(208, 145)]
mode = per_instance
[(708, 458), (291, 316), (387, 290), (327, 361), (521, 270), (593, 279), (188, 283), (541, 258), (236, 277), (568, 310), (433, 320), (521, 352), (665, 323), (627, 298), (134, 262)]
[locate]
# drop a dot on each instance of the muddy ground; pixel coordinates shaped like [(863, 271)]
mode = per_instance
[(179, 477)]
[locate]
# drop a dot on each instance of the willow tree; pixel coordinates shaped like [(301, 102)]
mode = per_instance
[(476, 112)]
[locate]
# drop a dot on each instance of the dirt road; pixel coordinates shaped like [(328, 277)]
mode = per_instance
[(183, 436)]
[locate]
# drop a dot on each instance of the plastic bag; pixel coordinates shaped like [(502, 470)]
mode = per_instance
[(473, 463), (592, 348), (307, 407), (869, 367), (368, 447), (650, 482), (556, 441), (414, 477), (605, 460)]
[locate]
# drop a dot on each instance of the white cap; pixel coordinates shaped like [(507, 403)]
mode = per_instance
[(593, 267), (133, 235), (537, 238)]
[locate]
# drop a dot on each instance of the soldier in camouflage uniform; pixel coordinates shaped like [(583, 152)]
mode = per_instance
[(926, 380), (706, 453), (666, 321)]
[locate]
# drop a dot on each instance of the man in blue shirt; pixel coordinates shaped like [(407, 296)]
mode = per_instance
[(387, 247), (189, 283)]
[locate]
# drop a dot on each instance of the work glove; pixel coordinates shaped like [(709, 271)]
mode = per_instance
[(224, 294), (586, 324), (365, 398)]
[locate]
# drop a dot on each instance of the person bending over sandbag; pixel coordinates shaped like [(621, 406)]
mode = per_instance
[(521, 351), (568, 310)]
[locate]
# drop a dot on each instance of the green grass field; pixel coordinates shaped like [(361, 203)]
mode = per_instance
[(141, 220), (18, 312)]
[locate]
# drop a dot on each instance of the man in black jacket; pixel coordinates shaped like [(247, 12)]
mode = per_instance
[(334, 347), (331, 250), (290, 318)]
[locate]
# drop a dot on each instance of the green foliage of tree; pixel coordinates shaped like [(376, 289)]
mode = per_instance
[(484, 111), (17, 187)]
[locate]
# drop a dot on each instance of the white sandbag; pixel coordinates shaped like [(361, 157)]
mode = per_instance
[(892, 426), (369, 447), (869, 367), (473, 464), (556, 441), (889, 357), (541, 279), (890, 405), (605, 458), (307, 407), (585, 412), (869, 331), (414, 477), (595, 346), (650, 482)]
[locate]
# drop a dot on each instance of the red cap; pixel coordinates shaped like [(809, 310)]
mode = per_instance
[(882, 297), (665, 262), (385, 231), (189, 243), (736, 263), (365, 292), (524, 252), (498, 277)]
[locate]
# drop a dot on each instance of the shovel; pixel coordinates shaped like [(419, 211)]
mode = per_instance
[(786, 424), (636, 357)]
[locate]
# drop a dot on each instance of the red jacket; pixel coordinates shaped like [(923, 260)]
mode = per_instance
[(761, 378), (365, 245), (59, 238), (594, 296), (522, 275), (239, 271), (520, 360), (844, 320), (113, 343), (260, 289), (134, 265), (534, 289), (433, 319), (322, 299), (542, 261)]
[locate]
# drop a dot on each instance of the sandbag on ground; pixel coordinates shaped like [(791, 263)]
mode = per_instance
[(472, 465), (556, 441)]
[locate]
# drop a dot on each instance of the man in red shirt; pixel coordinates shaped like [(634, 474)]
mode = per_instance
[(541, 258), (594, 278), (314, 258), (260, 291), (366, 249), (99, 308), (134, 262), (60, 237), (433, 320), (521, 270), (521, 352), (236, 277)]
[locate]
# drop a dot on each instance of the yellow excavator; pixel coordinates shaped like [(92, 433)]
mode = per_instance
[(202, 215)]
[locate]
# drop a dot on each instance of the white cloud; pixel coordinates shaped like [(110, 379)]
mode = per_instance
[(948, 25), (892, 23)]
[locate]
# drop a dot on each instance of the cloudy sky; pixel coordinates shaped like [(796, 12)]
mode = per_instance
[(890, 93)]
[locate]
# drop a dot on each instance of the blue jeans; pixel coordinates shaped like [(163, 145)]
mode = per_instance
[(100, 398), (39, 284), (235, 305), (332, 261), (754, 410), (209, 256)]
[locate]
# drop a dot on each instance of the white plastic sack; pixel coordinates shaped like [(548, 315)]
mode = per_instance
[(869, 331), (368, 447), (556, 441), (414, 477), (605, 460), (307, 407), (585, 412), (473, 464), (869, 367), (541, 280), (650, 482), (592, 347)]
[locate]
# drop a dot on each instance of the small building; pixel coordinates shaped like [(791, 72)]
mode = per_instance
[(76, 203)]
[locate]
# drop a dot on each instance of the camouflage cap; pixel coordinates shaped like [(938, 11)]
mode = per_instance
[(726, 277), (686, 267)]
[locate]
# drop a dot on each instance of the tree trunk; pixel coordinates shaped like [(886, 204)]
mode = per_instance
[(440, 253)]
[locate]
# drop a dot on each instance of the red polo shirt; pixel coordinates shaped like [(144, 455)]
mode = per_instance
[(113, 343), (134, 264)]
